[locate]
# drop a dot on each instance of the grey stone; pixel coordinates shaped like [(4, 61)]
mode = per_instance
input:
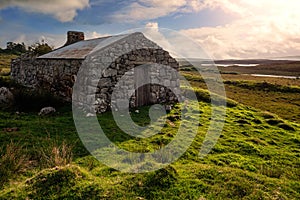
[(6, 97), (47, 111)]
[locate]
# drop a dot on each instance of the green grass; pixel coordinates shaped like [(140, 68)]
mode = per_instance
[(276, 97), (256, 156), (253, 159), (5, 60)]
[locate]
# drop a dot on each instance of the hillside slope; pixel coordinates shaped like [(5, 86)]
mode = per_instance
[(256, 157)]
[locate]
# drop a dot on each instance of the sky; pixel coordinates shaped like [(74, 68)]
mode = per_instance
[(226, 29)]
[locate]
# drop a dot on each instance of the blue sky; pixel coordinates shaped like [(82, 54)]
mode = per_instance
[(225, 28)]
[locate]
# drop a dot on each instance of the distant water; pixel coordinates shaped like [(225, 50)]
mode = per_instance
[(238, 65), (228, 65), (274, 76)]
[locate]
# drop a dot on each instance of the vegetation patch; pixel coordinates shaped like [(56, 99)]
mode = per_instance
[(255, 157)]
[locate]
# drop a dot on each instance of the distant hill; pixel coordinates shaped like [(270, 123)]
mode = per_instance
[(296, 58), (286, 60)]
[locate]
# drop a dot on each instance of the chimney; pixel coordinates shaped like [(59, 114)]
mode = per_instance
[(74, 36)]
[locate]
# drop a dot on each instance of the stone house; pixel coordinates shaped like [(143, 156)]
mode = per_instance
[(57, 71)]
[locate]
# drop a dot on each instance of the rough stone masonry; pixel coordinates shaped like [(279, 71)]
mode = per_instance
[(57, 71)]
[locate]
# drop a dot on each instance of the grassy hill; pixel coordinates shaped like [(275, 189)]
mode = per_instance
[(256, 157), (275, 95)]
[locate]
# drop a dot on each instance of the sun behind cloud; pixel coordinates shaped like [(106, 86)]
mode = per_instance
[(263, 29)]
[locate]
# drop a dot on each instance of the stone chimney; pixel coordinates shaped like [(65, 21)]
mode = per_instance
[(74, 36)]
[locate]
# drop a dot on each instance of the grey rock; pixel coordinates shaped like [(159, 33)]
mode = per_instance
[(6, 97), (47, 111)]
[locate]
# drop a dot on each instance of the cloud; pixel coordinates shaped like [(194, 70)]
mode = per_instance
[(63, 10), (152, 9), (94, 34), (177, 44), (153, 25), (152, 31), (263, 28), (56, 40)]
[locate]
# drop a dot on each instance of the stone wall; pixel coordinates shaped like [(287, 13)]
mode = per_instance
[(55, 76), (162, 80), (101, 72), (139, 51), (23, 70)]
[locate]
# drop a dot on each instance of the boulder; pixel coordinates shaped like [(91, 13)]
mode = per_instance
[(47, 111), (6, 97), (91, 115)]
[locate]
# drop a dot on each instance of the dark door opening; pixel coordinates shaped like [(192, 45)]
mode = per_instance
[(142, 93)]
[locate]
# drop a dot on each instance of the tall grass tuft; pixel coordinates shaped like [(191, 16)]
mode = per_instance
[(56, 154), (13, 161)]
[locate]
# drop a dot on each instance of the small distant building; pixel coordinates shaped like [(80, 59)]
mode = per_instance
[(56, 71)]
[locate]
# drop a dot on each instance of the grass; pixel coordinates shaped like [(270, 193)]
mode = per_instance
[(13, 161), (286, 69), (253, 159), (276, 96), (256, 156), (5, 60), (275, 81)]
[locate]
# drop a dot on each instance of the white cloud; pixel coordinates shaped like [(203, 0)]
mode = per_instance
[(263, 28), (21, 38), (94, 34), (153, 25), (56, 40), (152, 32), (152, 9), (63, 10), (177, 44)]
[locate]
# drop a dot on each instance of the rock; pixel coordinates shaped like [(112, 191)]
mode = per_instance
[(168, 108), (90, 115), (6, 97), (47, 111)]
